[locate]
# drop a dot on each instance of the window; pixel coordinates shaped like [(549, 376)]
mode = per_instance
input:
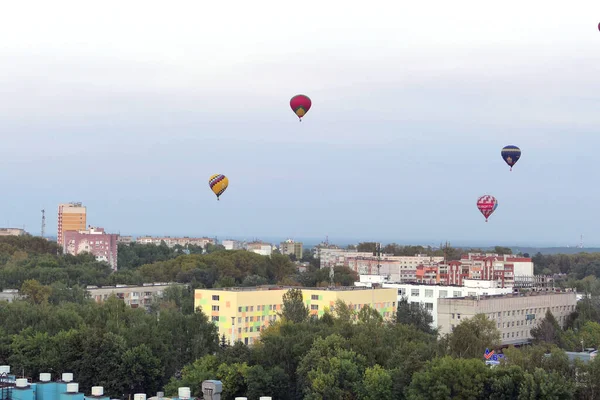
[(429, 306), (239, 320), (314, 297), (472, 293), (452, 315), (239, 309), (251, 319), (458, 316), (414, 292), (215, 318), (216, 298), (251, 308), (270, 307), (443, 294), (246, 319), (428, 293), (251, 329), (314, 307), (215, 308), (457, 293)]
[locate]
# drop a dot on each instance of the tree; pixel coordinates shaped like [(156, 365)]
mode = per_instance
[(36, 292), (414, 314), (376, 384), (293, 306), (548, 330), (472, 336), (450, 378)]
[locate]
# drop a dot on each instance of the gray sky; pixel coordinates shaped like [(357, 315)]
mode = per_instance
[(130, 106)]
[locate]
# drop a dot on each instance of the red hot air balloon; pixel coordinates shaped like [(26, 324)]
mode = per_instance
[(300, 105), (487, 205)]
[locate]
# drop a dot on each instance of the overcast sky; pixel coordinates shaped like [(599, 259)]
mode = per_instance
[(130, 106)]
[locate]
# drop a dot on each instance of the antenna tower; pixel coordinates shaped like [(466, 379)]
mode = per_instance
[(581, 242), (43, 223)]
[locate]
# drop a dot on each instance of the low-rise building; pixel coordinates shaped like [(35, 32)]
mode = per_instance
[(133, 296), (514, 314), (125, 239), (95, 241), (264, 249), (9, 295), (242, 313), (12, 232)]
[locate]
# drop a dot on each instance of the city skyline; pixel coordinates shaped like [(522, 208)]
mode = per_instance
[(410, 110)]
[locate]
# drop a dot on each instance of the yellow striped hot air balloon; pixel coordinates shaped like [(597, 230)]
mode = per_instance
[(218, 183)]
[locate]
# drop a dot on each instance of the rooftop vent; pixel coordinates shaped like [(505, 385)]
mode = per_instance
[(4, 369), (265, 398), (72, 387), (241, 398), (67, 377), (139, 396), (184, 393), (21, 383), (44, 377), (97, 390)]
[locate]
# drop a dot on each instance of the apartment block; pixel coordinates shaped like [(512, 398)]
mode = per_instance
[(514, 314), (174, 241), (241, 314), (290, 247), (133, 296), (95, 241), (71, 217)]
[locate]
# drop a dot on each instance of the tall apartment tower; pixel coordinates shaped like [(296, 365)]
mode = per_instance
[(71, 217)]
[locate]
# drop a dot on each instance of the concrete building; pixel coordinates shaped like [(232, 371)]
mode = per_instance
[(242, 313), (174, 241), (125, 239), (232, 244), (12, 232), (94, 240), (428, 295), (71, 217), (514, 314), (9, 295), (290, 247), (264, 249), (133, 296)]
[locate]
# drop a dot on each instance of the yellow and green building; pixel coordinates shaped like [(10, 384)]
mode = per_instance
[(242, 313)]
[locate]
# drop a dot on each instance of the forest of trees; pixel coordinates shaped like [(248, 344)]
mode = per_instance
[(343, 355)]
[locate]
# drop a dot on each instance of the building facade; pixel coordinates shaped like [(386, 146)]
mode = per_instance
[(290, 247), (232, 244), (9, 295), (241, 314), (264, 249), (174, 241), (95, 241), (12, 232), (428, 295), (133, 296), (71, 217), (125, 239), (514, 314)]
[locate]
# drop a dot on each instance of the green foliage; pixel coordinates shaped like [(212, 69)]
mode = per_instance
[(294, 309), (472, 336), (414, 314)]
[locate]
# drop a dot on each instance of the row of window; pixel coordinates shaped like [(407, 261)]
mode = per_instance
[(531, 311)]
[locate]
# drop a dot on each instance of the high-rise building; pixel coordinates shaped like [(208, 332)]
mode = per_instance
[(71, 217), (290, 247), (95, 241)]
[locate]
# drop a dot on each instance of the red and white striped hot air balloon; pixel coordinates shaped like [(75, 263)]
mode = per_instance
[(487, 204)]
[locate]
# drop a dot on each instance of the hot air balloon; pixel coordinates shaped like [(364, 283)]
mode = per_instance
[(511, 155), (300, 105), (487, 205), (218, 183)]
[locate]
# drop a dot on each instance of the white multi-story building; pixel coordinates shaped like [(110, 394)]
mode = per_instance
[(174, 241), (232, 244), (428, 295), (133, 296), (514, 314), (264, 249)]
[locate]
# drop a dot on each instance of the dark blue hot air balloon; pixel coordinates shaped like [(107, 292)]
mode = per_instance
[(511, 155)]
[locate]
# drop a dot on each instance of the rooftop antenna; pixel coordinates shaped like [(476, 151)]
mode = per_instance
[(43, 223)]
